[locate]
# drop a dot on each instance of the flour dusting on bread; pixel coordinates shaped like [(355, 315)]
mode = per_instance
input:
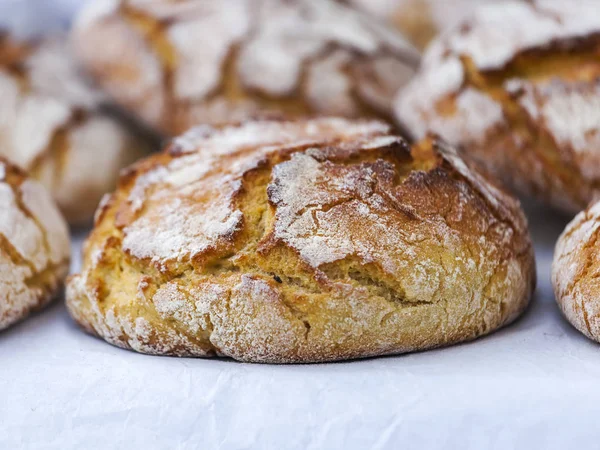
[(311, 240)]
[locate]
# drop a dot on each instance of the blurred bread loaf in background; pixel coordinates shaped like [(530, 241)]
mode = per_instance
[(181, 63), (420, 20), (576, 272), (517, 87), (53, 123)]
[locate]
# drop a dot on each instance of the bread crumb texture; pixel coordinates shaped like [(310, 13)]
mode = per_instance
[(301, 241), (576, 272), (52, 125), (518, 87), (183, 63), (34, 246)]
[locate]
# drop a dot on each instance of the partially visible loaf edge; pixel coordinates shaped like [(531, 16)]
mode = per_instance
[(34, 246), (575, 272)]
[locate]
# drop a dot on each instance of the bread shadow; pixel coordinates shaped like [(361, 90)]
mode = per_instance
[(545, 223)]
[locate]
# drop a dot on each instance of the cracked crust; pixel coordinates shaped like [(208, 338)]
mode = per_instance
[(34, 246), (575, 272), (178, 64), (303, 241), (51, 125), (420, 20), (518, 88)]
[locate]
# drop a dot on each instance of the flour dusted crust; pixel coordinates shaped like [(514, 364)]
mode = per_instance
[(575, 272), (517, 86), (303, 241), (183, 63), (51, 124), (420, 20), (34, 246)]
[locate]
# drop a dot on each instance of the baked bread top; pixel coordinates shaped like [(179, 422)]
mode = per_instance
[(54, 124), (575, 272), (302, 241), (517, 86), (34, 245), (182, 63)]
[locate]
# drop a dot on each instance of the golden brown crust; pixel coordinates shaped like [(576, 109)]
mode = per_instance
[(302, 241), (52, 124), (517, 87), (34, 246), (575, 272), (184, 63)]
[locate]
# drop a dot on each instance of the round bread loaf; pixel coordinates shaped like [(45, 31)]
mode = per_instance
[(420, 20), (575, 272), (518, 87), (52, 125), (302, 241), (182, 63), (34, 246)]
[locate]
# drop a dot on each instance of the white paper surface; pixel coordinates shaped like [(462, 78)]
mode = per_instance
[(531, 385)]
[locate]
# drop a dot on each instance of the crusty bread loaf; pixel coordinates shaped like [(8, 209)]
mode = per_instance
[(183, 63), (51, 124), (575, 272), (34, 246), (518, 87), (420, 20), (302, 241)]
